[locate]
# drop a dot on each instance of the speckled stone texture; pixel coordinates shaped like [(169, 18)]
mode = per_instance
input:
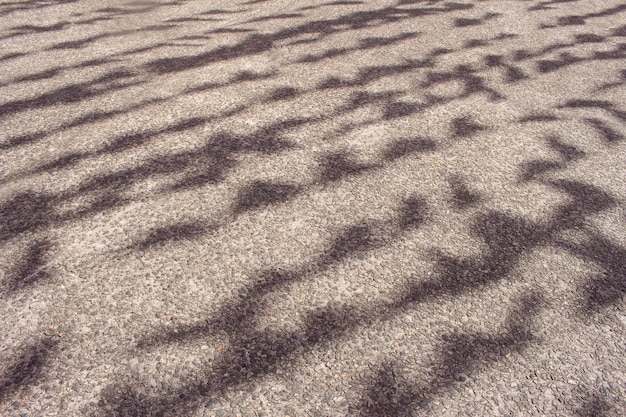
[(313, 208)]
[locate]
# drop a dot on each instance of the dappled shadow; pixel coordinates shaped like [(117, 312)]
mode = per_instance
[(593, 406), (608, 286), (9, 7), (535, 169), (364, 44), (261, 193), (31, 138), (354, 240), (358, 239), (513, 73), (465, 127), (276, 70), (605, 105), (388, 395), (211, 162), (460, 356), (462, 196), (409, 146), (619, 83), (549, 5), (507, 239), (26, 211), (31, 211), (370, 74), (608, 134), (240, 77), (466, 74), (464, 354), (338, 165), (567, 152), (538, 117), (337, 3), (82, 43), (174, 233), (257, 353), (29, 29), (73, 93), (11, 55), (31, 269), (26, 369), (259, 43), (463, 21), (575, 20)]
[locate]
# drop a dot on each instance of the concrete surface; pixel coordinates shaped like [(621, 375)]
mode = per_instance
[(313, 208)]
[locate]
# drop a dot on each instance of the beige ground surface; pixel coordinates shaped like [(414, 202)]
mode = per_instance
[(313, 208)]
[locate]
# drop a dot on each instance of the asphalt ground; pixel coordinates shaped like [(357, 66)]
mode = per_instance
[(313, 208)]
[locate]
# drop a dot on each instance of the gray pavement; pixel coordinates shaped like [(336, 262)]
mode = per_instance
[(313, 208)]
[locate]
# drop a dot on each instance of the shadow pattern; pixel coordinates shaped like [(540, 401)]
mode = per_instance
[(253, 353)]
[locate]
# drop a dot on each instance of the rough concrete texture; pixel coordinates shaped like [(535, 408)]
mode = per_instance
[(313, 208)]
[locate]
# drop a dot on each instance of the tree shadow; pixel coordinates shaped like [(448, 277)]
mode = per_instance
[(353, 241), (607, 86), (27, 369), (407, 146), (371, 74), (16, 6), (31, 138), (413, 212), (259, 43), (333, 4), (605, 105), (577, 20), (462, 196), (282, 93), (607, 287), (260, 194), (12, 55), (30, 29), (73, 93), (465, 127), (513, 73), (388, 395), (593, 406), (364, 44), (507, 239), (31, 269), (83, 42), (173, 233), (462, 355), (255, 353), (549, 5), (567, 152), (25, 212), (567, 59), (336, 166), (609, 134), (466, 74), (535, 170), (212, 161), (538, 117), (30, 211), (462, 22)]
